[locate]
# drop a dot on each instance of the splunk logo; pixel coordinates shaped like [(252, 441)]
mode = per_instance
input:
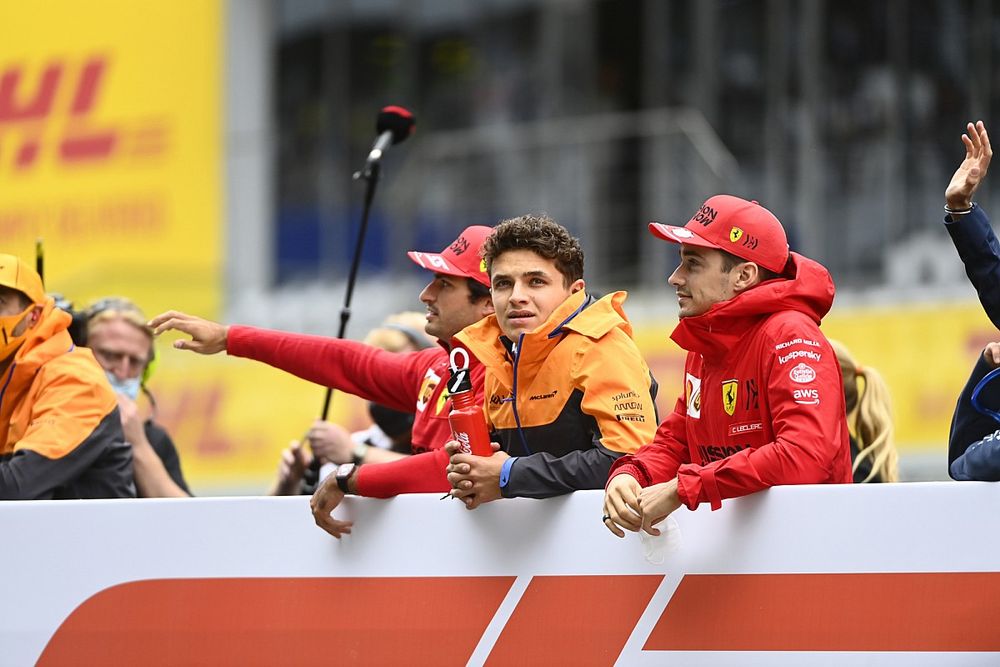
[(47, 112)]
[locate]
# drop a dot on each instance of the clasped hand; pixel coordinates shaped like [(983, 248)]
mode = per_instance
[(630, 507), (474, 479)]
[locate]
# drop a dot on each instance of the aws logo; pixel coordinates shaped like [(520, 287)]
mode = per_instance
[(50, 109)]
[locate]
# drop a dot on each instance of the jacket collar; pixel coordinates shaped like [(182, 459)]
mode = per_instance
[(806, 287), (47, 339), (579, 313)]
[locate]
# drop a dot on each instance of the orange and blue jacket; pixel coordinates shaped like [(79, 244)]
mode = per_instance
[(60, 431), (567, 399)]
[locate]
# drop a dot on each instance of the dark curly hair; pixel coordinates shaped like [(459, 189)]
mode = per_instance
[(542, 235)]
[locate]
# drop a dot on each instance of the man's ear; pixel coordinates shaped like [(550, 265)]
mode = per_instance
[(486, 307), (577, 286), (747, 275), (35, 315)]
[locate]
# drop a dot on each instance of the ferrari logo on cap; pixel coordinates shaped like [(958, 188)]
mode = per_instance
[(735, 234), (482, 266), (729, 388)]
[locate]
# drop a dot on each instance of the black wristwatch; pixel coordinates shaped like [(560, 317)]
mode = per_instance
[(343, 473)]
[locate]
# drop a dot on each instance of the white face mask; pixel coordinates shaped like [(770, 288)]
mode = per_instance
[(129, 387)]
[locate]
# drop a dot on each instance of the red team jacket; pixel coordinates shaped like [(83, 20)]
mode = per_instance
[(763, 399), (413, 382)]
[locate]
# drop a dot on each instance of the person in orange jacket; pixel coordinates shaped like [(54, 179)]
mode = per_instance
[(60, 433)]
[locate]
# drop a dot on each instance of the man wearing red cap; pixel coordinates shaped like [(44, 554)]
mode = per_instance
[(415, 382), (763, 401), (60, 433)]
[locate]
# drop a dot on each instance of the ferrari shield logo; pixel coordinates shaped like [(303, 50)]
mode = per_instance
[(427, 387), (735, 234), (729, 388)]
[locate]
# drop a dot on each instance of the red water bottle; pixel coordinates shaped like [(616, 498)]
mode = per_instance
[(468, 425)]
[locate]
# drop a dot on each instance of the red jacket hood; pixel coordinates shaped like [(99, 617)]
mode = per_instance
[(805, 287)]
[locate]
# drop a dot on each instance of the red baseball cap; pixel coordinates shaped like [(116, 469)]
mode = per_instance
[(740, 227), (461, 258)]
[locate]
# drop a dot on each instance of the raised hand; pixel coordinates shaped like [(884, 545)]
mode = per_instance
[(972, 171)]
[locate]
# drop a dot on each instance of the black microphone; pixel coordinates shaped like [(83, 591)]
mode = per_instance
[(394, 124)]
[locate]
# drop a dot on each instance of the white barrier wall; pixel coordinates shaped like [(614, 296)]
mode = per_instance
[(904, 574)]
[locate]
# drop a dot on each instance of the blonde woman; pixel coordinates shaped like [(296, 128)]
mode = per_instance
[(869, 417)]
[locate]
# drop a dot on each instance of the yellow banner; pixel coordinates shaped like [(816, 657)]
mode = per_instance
[(230, 418), (110, 146)]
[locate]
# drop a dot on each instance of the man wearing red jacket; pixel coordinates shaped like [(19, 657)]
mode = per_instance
[(763, 401), (415, 382)]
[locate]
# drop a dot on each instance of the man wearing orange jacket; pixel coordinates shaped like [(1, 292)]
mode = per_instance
[(763, 400), (566, 390), (60, 433)]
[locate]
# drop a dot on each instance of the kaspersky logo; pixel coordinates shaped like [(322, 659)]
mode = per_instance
[(47, 114)]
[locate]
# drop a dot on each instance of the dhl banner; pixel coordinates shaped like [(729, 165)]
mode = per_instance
[(110, 147), (893, 574)]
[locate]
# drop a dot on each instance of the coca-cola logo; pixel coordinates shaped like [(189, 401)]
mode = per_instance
[(463, 442)]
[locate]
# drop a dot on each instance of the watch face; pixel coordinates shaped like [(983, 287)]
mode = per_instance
[(344, 470)]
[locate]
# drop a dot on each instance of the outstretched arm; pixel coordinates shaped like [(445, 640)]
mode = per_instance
[(207, 337)]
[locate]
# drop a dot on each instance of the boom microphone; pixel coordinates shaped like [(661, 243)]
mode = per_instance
[(394, 124)]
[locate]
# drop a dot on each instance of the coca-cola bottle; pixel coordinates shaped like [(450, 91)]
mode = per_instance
[(468, 426)]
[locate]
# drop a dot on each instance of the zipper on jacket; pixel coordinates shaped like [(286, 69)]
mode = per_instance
[(3, 392), (517, 417), (587, 300)]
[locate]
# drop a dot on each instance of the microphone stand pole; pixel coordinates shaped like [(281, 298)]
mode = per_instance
[(370, 175)]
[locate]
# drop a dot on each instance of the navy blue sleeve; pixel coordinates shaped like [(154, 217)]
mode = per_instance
[(980, 252), (974, 441)]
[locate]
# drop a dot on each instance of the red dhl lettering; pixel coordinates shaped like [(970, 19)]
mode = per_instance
[(30, 103)]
